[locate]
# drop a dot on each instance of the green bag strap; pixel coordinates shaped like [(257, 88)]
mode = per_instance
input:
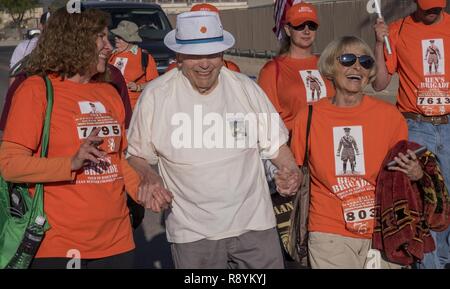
[(37, 208), (48, 116)]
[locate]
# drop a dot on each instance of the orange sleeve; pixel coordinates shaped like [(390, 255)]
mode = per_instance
[(171, 66), (17, 164), (267, 81), (152, 69), (400, 128), (130, 176), (131, 179), (112, 58), (391, 60), (298, 139), (27, 113), (232, 66)]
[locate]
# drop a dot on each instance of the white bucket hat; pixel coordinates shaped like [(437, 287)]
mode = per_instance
[(199, 33)]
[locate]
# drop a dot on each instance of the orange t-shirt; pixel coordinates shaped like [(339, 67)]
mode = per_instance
[(374, 127), (421, 56), (231, 65), (130, 64), (171, 66), (88, 214), (291, 83), (227, 63)]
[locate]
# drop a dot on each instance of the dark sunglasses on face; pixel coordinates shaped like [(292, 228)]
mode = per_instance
[(435, 10), (311, 26), (349, 59)]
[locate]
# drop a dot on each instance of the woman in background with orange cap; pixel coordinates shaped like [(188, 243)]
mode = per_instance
[(418, 41), (292, 79), (208, 7)]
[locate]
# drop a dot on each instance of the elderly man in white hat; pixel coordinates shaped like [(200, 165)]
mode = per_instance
[(208, 129)]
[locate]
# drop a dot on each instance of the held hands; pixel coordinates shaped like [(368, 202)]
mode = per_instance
[(152, 194), (88, 151), (381, 30), (410, 166), (288, 181), (133, 86)]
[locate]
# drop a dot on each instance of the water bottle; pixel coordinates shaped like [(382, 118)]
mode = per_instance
[(29, 245)]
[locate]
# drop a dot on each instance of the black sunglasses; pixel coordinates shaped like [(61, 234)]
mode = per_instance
[(349, 59), (434, 10), (311, 26)]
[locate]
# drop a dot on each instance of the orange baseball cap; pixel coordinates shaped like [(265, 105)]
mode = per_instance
[(428, 4), (205, 7), (301, 13)]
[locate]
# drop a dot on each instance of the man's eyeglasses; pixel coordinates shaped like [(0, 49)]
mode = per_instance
[(435, 11), (349, 59), (311, 26)]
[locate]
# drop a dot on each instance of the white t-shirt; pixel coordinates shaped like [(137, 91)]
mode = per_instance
[(219, 184), (23, 49)]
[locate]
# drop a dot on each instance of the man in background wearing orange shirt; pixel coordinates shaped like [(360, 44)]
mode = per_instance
[(423, 96), (127, 57)]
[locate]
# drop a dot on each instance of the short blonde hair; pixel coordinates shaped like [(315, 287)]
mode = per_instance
[(328, 59)]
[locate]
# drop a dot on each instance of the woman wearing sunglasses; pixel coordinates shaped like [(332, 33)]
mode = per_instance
[(127, 57), (351, 133), (292, 79)]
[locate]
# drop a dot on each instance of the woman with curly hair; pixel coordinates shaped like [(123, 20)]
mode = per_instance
[(85, 172)]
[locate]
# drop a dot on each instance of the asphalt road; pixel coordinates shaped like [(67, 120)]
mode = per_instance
[(152, 248)]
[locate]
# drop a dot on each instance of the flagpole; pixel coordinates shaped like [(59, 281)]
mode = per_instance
[(386, 39)]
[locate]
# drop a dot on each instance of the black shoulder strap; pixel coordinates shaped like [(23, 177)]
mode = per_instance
[(144, 60), (401, 26), (308, 128), (144, 64)]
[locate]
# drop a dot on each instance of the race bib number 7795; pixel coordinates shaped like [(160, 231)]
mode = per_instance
[(107, 130)]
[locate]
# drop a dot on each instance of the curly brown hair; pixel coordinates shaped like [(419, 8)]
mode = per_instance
[(67, 46)]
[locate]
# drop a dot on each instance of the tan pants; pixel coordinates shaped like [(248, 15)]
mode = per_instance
[(331, 251)]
